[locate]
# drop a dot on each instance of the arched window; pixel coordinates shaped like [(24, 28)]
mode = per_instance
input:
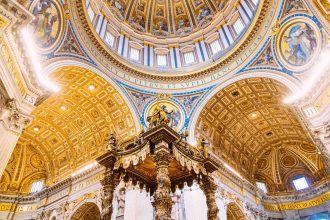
[(37, 186), (300, 182)]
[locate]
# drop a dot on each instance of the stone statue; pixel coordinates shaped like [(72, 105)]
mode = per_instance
[(138, 140), (183, 138), (205, 147), (111, 142), (121, 202), (202, 148)]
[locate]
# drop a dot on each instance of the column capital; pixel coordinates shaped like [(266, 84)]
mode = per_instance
[(12, 118)]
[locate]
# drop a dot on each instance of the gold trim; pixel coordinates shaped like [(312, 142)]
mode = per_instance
[(300, 205)]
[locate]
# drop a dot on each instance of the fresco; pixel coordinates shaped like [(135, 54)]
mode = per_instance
[(298, 43), (174, 113), (46, 25)]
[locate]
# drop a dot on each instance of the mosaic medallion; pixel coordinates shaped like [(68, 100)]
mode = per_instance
[(298, 44), (47, 23)]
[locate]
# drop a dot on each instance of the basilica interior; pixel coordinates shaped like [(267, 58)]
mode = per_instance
[(164, 109)]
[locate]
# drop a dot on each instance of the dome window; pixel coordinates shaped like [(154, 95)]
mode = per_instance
[(37, 186), (300, 183), (255, 2), (238, 26), (109, 39), (91, 13), (215, 46), (134, 54), (161, 60), (189, 57)]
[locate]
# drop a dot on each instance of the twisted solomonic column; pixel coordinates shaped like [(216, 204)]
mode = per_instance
[(209, 188), (162, 197), (109, 182)]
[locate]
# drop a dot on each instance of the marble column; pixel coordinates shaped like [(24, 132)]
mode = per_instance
[(162, 197), (12, 123), (209, 188)]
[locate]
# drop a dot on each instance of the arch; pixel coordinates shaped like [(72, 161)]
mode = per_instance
[(234, 212), (247, 119), (60, 63), (76, 120), (88, 210), (291, 83)]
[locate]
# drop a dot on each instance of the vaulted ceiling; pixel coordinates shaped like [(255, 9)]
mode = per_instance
[(253, 131), (70, 127)]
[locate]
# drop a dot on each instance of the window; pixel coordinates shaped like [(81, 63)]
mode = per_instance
[(134, 54), (91, 13), (300, 183), (37, 186), (255, 2), (262, 186), (238, 26), (215, 46), (189, 57), (109, 39), (161, 60)]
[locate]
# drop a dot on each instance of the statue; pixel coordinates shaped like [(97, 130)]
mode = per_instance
[(111, 142), (183, 138), (205, 147), (202, 148), (159, 116), (138, 140), (121, 202)]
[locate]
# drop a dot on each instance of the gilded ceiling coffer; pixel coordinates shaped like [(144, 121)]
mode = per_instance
[(160, 160)]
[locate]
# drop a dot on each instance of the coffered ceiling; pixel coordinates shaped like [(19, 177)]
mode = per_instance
[(247, 122), (70, 127)]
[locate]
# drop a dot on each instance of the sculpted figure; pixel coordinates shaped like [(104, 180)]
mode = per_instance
[(111, 142), (159, 116)]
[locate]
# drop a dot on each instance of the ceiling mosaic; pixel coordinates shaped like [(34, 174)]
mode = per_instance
[(248, 124), (69, 127)]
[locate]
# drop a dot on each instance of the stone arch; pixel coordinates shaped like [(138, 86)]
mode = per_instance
[(234, 212), (291, 83), (87, 210)]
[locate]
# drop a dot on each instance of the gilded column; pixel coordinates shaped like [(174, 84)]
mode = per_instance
[(12, 123), (162, 198), (209, 188)]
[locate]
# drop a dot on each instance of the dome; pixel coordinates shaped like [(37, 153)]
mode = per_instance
[(169, 18), (172, 37)]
